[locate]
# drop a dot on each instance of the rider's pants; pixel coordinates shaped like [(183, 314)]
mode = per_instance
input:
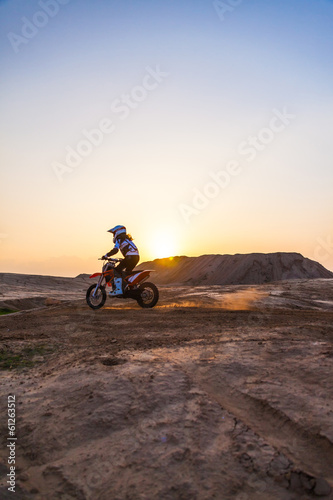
[(127, 265)]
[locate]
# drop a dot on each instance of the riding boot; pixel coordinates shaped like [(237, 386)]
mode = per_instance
[(118, 289)]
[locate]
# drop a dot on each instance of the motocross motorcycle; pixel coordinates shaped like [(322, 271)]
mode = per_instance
[(135, 287)]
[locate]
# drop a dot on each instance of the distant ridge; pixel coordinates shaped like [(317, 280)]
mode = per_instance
[(247, 269)]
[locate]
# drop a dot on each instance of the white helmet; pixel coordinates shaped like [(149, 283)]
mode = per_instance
[(117, 230)]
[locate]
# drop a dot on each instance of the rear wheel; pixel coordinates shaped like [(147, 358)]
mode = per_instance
[(96, 298), (148, 295)]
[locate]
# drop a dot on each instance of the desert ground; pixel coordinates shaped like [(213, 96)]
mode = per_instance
[(219, 392)]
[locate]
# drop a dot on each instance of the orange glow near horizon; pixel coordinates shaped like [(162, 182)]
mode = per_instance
[(163, 245), (61, 252)]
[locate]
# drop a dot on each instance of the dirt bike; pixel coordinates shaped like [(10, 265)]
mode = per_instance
[(135, 286)]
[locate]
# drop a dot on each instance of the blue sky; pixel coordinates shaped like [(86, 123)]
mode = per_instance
[(224, 80)]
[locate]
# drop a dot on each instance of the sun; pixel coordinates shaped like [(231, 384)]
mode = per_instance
[(162, 245)]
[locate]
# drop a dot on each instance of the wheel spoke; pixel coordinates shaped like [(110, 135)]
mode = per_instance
[(95, 296), (147, 295)]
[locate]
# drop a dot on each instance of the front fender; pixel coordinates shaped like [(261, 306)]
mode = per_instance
[(94, 275)]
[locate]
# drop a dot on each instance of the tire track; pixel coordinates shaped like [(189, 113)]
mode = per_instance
[(310, 452)]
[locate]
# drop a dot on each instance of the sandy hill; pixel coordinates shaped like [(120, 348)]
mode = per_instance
[(254, 268), (27, 291)]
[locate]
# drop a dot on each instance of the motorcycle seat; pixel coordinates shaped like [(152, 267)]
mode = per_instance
[(128, 275)]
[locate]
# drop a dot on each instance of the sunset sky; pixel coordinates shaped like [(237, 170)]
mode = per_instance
[(204, 127)]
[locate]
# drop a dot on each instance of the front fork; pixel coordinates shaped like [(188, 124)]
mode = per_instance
[(100, 281)]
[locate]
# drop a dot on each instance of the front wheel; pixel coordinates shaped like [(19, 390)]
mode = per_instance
[(96, 296), (148, 295)]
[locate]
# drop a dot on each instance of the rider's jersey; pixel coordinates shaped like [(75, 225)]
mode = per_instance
[(127, 247)]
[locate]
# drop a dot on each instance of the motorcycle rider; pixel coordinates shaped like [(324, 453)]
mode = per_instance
[(123, 242)]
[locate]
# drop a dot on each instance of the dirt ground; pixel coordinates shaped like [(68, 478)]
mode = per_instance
[(216, 393)]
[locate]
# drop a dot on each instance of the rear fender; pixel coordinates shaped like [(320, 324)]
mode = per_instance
[(138, 277)]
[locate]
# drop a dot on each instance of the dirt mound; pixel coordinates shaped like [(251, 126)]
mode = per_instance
[(29, 291), (23, 304), (247, 269)]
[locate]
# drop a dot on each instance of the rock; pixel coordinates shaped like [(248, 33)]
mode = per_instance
[(24, 476), (322, 488), (307, 482), (52, 302), (283, 461), (295, 481)]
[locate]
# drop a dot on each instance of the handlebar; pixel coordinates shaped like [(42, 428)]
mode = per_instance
[(110, 260)]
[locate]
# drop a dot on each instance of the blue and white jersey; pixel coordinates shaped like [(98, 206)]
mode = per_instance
[(127, 247)]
